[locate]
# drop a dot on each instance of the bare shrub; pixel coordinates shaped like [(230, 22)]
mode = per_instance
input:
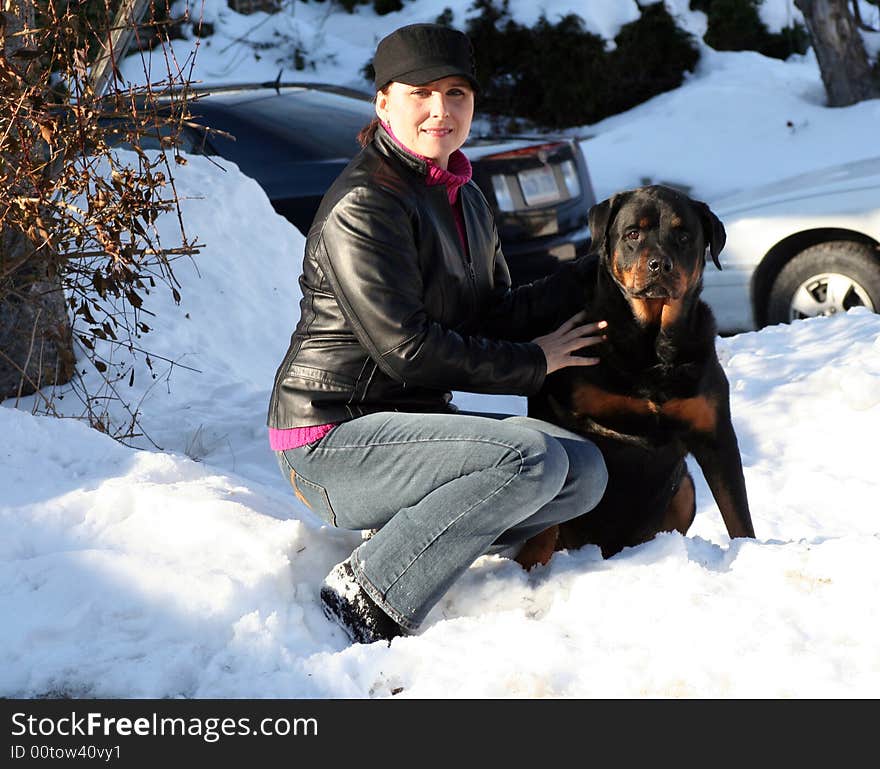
[(78, 219)]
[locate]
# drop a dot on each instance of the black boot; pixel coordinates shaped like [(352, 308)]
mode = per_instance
[(345, 602)]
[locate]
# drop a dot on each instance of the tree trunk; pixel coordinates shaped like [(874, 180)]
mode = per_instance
[(128, 16), (840, 51), (36, 348)]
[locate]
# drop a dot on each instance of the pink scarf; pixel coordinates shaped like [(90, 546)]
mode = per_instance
[(454, 177)]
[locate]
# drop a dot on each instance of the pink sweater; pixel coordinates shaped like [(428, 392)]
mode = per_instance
[(458, 173)]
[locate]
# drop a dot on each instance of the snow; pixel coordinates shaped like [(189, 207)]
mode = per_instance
[(337, 44), (740, 121), (604, 18), (191, 570), (778, 15)]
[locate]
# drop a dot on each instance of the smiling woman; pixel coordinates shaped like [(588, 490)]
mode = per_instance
[(432, 119), (406, 297), (425, 89)]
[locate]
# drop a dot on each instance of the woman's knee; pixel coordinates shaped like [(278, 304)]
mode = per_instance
[(587, 471), (585, 466), (544, 462), (592, 473)]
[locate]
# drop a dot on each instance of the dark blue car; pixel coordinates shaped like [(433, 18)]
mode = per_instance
[(294, 139)]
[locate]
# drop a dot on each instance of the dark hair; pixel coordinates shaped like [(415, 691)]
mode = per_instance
[(366, 134)]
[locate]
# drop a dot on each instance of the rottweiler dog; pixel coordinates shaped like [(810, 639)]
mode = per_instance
[(659, 392)]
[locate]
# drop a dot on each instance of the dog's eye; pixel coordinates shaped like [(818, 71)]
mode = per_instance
[(632, 234), (683, 235)]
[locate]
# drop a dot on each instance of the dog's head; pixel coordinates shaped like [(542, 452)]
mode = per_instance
[(653, 241)]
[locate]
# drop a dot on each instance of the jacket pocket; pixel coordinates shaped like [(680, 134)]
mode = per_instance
[(313, 495)]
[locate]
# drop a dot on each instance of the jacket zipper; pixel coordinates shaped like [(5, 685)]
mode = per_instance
[(468, 259), (473, 274)]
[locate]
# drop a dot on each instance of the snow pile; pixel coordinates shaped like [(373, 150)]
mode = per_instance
[(147, 574), (193, 571)]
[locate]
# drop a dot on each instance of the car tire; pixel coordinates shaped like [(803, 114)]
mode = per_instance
[(826, 279)]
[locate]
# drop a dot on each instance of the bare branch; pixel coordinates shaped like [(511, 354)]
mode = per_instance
[(857, 15), (78, 221)]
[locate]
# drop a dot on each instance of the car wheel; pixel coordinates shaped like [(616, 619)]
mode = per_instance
[(826, 279)]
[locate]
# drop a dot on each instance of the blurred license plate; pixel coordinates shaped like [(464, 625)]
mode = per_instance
[(539, 186)]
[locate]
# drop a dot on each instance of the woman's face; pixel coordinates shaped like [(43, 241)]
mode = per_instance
[(432, 119)]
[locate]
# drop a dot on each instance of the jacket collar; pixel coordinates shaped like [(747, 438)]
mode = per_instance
[(388, 147), (458, 173)]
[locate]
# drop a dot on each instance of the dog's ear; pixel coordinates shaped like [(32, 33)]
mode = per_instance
[(713, 230), (600, 217)]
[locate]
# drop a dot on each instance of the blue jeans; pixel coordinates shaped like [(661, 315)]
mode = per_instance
[(442, 489)]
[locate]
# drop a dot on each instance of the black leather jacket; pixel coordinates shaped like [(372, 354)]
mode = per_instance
[(394, 312)]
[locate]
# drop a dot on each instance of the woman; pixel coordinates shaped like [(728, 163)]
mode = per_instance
[(406, 296)]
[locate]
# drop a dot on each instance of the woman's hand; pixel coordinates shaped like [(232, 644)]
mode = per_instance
[(559, 345)]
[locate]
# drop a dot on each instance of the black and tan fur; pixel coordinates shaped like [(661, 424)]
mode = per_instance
[(659, 392)]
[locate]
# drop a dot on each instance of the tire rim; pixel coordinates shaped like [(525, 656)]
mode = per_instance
[(828, 294)]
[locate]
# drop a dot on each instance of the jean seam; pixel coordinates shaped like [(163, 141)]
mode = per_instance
[(422, 440), (378, 597), (317, 487), (381, 596), (460, 516)]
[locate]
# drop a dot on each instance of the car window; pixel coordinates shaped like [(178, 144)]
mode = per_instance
[(186, 139), (291, 126)]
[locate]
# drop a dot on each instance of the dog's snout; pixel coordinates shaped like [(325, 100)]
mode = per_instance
[(658, 264)]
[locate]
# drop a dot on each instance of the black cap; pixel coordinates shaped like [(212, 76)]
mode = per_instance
[(419, 53)]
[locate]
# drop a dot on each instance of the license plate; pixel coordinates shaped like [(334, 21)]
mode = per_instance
[(539, 186)]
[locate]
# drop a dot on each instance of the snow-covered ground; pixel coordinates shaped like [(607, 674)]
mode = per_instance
[(193, 571)]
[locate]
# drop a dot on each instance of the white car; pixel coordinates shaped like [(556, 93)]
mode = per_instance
[(804, 246)]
